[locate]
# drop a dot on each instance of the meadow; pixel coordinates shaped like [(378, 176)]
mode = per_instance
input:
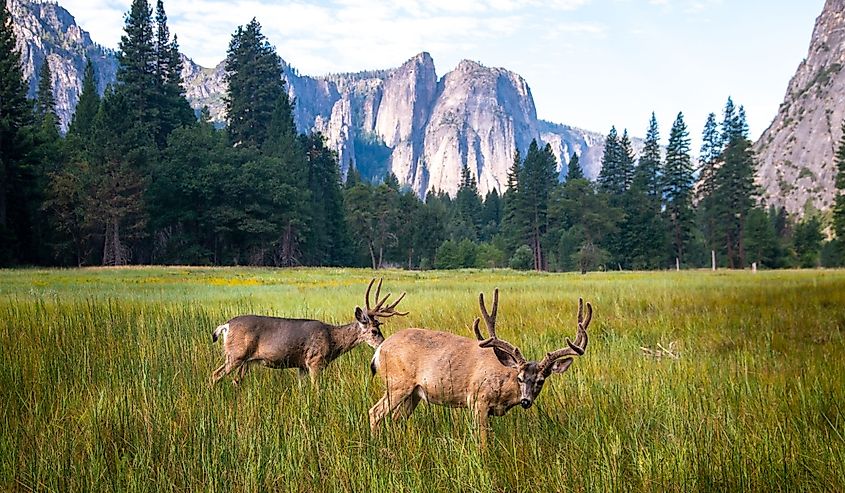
[(104, 381)]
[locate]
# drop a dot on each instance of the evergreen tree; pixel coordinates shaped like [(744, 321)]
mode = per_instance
[(536, 179), (611, 178), (467, 217), (329, 239), (86, 109), (733, 197), (253, 75), (511, 229), (45, 103), (573, 169), (711, 151), (15, 144), (807, 241), (650, 163), (839, 205), (491, 215), (677, 188), (729, 123), (136, 71), (173, 108), (761, 242)]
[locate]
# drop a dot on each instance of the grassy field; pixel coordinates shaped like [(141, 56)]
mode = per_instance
[(104, 381)]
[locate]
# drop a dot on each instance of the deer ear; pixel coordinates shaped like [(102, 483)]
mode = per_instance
[(560, 365), (361, 316), (505, 358)]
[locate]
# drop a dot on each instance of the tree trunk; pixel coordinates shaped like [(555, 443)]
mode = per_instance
[(372, 256)]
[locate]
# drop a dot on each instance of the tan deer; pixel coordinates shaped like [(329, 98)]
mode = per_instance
[(308, 345), (489, 377)]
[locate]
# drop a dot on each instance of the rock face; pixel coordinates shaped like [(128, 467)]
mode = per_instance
[(47, 32), (421, 128), (403, 120), (796, 152)]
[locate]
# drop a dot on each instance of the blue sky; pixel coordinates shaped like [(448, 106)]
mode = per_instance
[(589, 63)]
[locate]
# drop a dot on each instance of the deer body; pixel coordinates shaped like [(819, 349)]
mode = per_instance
[(445, 376), (307, 345), (489, 376)]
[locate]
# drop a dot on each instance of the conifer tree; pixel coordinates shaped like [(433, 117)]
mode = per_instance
[(137, 72), (329, 238), (86, 109), (15, 120), (511, 228), (650, 163), (839, 204), (537, 177), (729, 126), (45, 103), (677, 188), (573, 169), (173, 108), (610, 179), (253, 75), (711, 151), (468, 205)]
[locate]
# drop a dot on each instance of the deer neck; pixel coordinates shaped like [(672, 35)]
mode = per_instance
[(344, 338)]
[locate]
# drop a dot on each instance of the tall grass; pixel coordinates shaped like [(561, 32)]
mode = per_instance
[(104, 380)]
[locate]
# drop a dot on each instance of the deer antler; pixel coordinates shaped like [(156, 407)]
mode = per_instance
[(580, 345), (379, 310), (490, 320)]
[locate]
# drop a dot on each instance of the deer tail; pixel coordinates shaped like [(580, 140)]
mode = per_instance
[(219, 331)]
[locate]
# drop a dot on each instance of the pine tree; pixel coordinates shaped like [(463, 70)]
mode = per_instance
[(650, 163), (711, 151), (839, 205), (86, 109), (173, 108), (253, 75), (45, 103), (511, 228), (729, 124), (677, 188), (15, 119), (536, 179), (467, 217), (573, 170), (610, 179), (329, 239), (137, 72)]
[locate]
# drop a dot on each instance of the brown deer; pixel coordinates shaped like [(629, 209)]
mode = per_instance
[(489, 377), (308, 345)]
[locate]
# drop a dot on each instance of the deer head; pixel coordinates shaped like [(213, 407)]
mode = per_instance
[(531, 375), (367, 319)]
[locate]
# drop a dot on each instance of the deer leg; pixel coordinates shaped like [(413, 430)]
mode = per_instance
[(390, 404), (220, 372), (406, 407), (241, 372), (481, 417), (231, 366)]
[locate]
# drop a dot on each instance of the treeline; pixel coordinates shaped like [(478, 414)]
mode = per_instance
[(140, 178)]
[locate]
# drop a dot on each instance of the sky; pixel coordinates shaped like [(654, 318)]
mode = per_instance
[(589, 63)]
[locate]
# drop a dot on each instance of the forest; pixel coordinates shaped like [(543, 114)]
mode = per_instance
[(141, 178)]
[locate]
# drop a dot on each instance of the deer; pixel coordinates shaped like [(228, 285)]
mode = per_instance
[(307, 345), (489, 375)]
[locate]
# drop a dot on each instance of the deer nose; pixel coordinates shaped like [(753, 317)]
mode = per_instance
[(525, 403)]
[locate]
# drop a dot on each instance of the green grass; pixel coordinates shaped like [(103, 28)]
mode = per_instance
[(104, 380)]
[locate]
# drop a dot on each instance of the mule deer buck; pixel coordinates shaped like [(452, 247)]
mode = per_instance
[(489, 376), (308, 345)]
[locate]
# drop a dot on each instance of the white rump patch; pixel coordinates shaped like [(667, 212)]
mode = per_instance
[(222, 330), (375, 361)]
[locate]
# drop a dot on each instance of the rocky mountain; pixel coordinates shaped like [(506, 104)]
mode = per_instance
[(47, 32), (796, 151), (420, 127), (405, 120)]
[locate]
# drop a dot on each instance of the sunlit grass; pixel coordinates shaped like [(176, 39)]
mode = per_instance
[(104, 379)]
